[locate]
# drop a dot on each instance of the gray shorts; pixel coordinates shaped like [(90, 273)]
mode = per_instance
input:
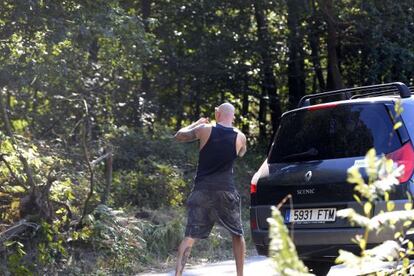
[(206, 207)]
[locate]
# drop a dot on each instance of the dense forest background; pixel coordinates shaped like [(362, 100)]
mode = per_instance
[(91, 93)]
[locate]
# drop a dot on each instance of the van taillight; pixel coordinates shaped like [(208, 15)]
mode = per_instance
[(262, 172), (404, 156), (322, 106), (253, 188), (253, 223)]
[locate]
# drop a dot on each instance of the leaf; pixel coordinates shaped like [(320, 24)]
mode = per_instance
[(354, 217), (21, 251), (370, 159), (398, 125), (406, 262), (9, 243), (15, 203), (390, 218), (357, 199), (386, 196), (14, 189), (410, 245), (19, 125), (354, 176), (388, 250), (390, 206), (347, 258), (367, 208), (362, 243)]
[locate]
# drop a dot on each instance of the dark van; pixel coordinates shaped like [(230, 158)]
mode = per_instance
[(309, 157)]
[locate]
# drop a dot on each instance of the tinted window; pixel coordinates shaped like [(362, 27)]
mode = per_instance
[(335, 132)]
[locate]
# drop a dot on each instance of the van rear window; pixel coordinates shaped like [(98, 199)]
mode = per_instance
[(336, 132)]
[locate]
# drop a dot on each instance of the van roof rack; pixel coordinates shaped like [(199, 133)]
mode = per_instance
[(393, 88)]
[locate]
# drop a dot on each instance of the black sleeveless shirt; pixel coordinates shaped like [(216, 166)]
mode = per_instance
[(215, 163)]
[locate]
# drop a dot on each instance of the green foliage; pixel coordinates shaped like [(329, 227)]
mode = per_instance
[(153, 171), (51, 245), (382, 176), (163, 234), (386, 52), (217, 247), (164, 230), (117, 237), (282, 250), (57, 53), (15, 262), (43, 162), (154, 185)]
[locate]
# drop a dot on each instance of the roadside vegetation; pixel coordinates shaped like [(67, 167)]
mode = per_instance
[(47, 232)]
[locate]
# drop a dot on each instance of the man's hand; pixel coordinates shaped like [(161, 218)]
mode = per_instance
[(190, 133), (202, 120)]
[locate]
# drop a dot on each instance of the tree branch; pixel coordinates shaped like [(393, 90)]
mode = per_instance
[(18, 179), (46, 190), (9, 132), (91, 173), (69, 212), (99, 159), (16, 230)]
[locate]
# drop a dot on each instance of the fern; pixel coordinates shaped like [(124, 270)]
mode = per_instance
[(282, 250)]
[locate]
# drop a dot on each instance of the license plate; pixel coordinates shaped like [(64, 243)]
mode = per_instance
[(315, 215)]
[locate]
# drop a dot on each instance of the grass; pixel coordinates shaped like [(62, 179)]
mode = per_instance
[(165, 232)]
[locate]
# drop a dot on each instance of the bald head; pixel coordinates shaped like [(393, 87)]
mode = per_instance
[(225, 113), (226, 108)]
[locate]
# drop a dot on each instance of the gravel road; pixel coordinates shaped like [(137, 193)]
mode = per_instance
[(255, 266)]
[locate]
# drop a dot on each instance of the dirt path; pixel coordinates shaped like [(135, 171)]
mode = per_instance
[(254, 266), (261, 266)]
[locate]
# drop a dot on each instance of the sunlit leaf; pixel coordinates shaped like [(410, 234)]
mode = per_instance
[(390, 206), (398, 125)]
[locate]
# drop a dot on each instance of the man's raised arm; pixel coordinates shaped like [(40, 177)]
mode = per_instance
[(190, 133), (241, 144)]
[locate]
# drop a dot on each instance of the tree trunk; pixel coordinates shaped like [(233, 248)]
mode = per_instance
[(197, 107), (94, 50), (313, 37), (262, 115), (222, 96), (245, 105), (108, 175), (146, 13), (180, 103), (91, 172), (296, 78), (334, 75), (268, 78)]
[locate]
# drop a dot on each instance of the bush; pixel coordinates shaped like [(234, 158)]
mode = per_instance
[(382, 176), (109, 243), (151, 171), (151, 185)]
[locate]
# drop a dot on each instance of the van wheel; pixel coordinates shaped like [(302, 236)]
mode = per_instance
[(262, 250), (319, 268)]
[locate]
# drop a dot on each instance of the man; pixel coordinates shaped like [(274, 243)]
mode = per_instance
[(214, 197)]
